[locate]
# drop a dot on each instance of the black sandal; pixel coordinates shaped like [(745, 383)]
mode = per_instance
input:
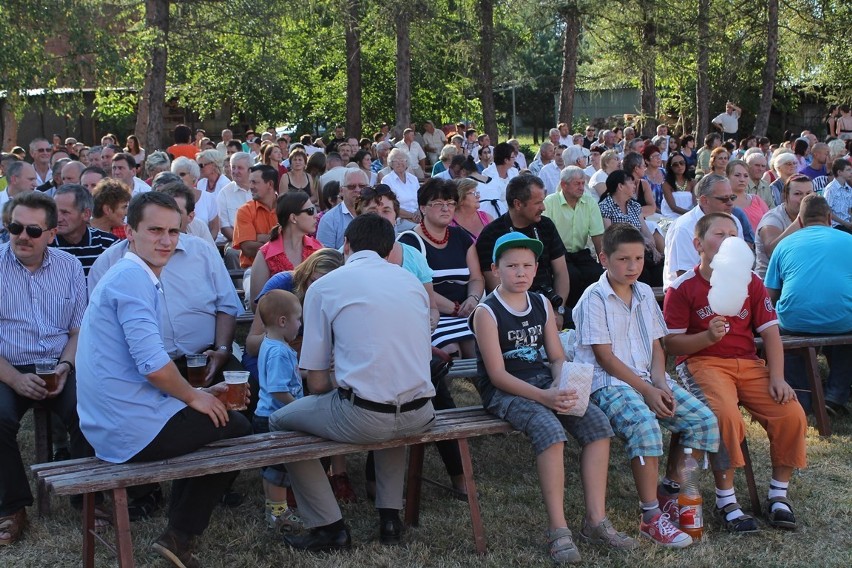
[(780, 518), (744, 524)]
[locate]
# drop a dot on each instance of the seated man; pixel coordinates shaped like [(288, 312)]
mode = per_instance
[(373, 397), (812, 291), (578, 219), (73, 234), (134, 405), (718, 363), (44, 299)]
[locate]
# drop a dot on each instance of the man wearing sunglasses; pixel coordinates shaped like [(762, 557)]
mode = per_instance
[(40, 319), (40, 152), (714, 196)]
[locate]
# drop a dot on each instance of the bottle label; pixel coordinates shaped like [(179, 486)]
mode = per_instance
[(691, 517)]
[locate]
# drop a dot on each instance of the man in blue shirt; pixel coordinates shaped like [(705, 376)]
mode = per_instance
[(133, 403), (810, 281)]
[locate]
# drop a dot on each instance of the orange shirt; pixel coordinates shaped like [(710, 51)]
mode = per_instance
[(185, 150), (253, 219)]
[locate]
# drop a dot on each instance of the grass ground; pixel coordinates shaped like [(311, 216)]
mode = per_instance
[(512, 512)]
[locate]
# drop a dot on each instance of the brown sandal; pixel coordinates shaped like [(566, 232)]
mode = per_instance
[(14, 526)]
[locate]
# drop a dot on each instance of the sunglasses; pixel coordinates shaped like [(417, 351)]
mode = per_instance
[(353, 186), (726, 198), (309, 210), (678, 163), (33, 231)]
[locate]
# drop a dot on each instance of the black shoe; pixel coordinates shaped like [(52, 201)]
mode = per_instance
[(61, 454), (320, 540), (836, 410), (390, 532), (145, 506), (231, 499)]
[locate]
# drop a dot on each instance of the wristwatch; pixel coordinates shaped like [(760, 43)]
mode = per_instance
[(560, 310), (223, 348)]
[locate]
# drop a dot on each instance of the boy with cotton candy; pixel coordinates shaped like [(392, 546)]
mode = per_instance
[(717, 361), (619, 327)]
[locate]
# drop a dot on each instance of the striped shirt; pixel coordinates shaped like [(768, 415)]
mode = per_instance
[(39, 309), (87, 251)]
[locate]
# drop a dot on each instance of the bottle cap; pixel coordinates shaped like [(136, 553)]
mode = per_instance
[(687, 450)]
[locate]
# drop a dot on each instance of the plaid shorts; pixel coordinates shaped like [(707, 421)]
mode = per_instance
[(542, 425), (639, 427)]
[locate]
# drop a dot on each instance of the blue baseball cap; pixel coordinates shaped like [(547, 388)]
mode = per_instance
[(516, 240)]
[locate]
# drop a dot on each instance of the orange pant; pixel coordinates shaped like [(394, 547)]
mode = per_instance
[(727, 383)]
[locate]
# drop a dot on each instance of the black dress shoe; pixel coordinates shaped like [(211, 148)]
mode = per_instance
[(320, 540), (390, 532), (836, 410)]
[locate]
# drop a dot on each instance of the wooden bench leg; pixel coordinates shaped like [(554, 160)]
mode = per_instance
[(749, 475), (121, 522), (43, 448), (817, 396), (89, 530), (472, 498), (414, 485)]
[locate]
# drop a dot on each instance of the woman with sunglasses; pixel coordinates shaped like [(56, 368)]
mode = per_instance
[(290, 241), (459, 283), (467, 216), (677, 188), (751, 204)]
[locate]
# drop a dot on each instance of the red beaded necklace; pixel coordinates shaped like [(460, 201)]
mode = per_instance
[(433, 239)]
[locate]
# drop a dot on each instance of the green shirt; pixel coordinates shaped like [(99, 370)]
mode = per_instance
[(762, 189), (574, 224)]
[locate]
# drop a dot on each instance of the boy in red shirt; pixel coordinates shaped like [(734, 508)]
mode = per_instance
[(718, 362)]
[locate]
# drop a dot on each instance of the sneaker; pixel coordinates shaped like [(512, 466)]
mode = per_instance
[(669, 505), (177, 548), (605, 534), (288, 521), (561, 547), (342, 488), (661, 530)]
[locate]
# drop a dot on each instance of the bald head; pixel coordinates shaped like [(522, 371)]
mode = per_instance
[(71, 172)]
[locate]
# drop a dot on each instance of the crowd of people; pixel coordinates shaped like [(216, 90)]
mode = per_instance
[(364, 260)]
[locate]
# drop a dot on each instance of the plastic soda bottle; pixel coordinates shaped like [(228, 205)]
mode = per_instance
[(689, 499)]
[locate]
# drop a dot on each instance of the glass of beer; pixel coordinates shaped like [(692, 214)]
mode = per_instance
[(46, 370), (235, 397), (196, 368)]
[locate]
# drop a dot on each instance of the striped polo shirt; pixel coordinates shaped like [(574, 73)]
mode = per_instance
[(88, 250)]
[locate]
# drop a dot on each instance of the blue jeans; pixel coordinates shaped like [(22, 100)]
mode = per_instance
[(839, 375)]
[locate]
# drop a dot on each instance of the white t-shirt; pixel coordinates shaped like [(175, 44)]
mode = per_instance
[(730, 122)]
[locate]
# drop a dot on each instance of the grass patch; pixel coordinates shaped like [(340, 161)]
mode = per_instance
[(512, 512)]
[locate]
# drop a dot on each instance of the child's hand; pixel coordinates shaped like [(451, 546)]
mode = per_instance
[(660, 400), (781, 392), (717, 329), (559, 400)]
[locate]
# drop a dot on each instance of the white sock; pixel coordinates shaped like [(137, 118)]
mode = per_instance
[(725, 497), (778, 489)]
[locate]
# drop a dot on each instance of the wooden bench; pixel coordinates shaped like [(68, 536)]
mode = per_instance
[(91, 475)]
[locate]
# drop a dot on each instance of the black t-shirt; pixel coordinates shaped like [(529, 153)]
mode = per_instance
[(544, 230)]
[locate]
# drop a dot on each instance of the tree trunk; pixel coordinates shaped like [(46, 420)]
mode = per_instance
[(353, 69), (10, 122), (648, 100), (570, 52), (486, 73), (403, 69), (149, 118), (761, 122), (702, 88)]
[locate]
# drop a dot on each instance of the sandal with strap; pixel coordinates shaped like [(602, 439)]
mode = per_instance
[(744, 524), (14, 526), (780, 518), (103, 519), (561, 546)]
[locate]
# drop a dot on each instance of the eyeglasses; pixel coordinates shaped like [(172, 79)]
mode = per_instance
[(725, 198), (309, 210), (474, 193), (33, 231), (354, 186), (43, 150), (678, 163), (441, 204)]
